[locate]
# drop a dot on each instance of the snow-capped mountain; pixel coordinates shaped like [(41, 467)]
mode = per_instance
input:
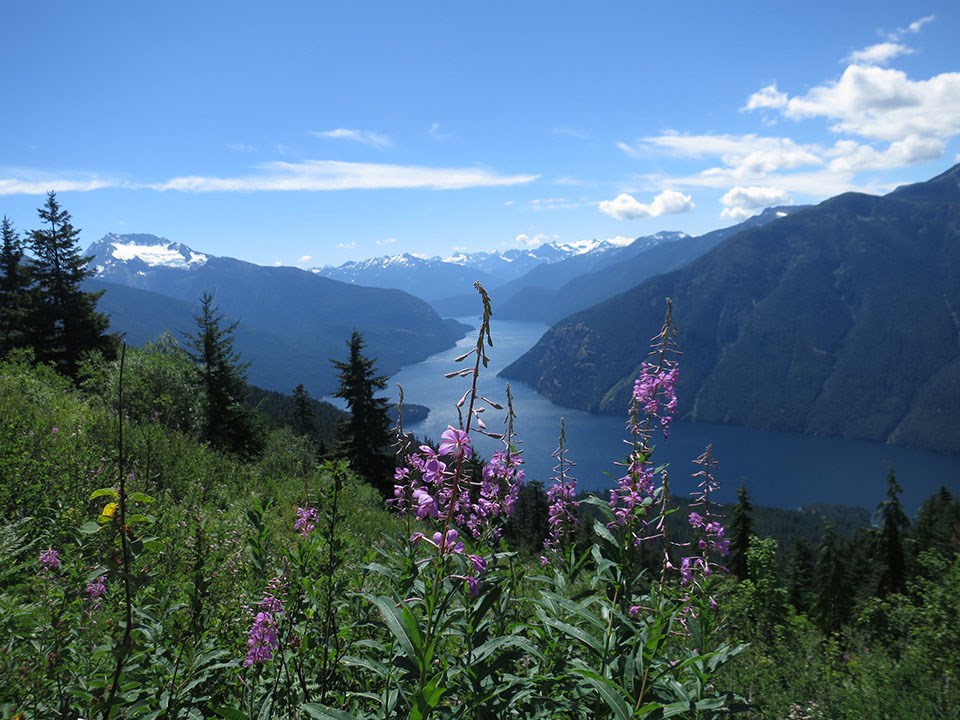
[(138, 254), (440, 277)]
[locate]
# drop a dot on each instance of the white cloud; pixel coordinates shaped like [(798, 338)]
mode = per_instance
[(347, 245), (916, 25), (440, 136), (387, 241), (553, 204), (766, 98), (879, 54), (366, 137), (526, 241), (743, 202), (20, 181), (627, 207), (320, 175), (305, 258)]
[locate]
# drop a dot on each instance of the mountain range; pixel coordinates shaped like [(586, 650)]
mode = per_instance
[(291, 321), (840, 319)]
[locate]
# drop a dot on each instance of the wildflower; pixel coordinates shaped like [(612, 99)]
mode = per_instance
[(306, 521), (479, 563), (448, 542), (96, 589), (49, 560), (262, 641), (696, 520), (561, 499), (456, 443)]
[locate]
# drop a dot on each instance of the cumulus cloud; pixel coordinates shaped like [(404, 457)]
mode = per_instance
[(879, 54), (305, 258), (627, 207), (743, 202), (320, 175), (365, 137)]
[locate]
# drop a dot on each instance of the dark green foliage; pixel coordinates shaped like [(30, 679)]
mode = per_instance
[(63, 322), (938, 524), (365, 436), (527, 528), (832, 595), (14, 290), (740, 531), (228, 420), (890, 540), (303, 423), (799, 576)]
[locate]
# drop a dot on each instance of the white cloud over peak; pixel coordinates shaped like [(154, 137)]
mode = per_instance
[(627, 207), (366, 137), (743, 202), (387, 241), (525, 240)]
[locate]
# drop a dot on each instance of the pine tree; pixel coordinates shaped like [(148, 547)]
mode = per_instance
[(800, 576), (938, 523), (365, 437), (741, 528), (14, 290), (889, 548), (63, 322), (831, 602), (229, 423), (303, 422)]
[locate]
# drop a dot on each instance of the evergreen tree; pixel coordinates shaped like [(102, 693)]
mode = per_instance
[(64, 322), (364, 438), (938, 523), (303, 423), (14, 290), (832, 597), (890, 540), (228, 420), (741, 528), (800, 576)]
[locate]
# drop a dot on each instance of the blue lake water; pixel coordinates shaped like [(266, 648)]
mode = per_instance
[(779, 469)]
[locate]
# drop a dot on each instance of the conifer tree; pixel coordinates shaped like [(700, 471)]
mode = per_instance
[(938, 523), (14, 290), (229, 423), (832, 598), (800, 576), (741, 528), (303, 422), (890, 540), (365, 437), (63, 321)]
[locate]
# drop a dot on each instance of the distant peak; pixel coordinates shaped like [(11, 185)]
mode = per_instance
[(113, 250)]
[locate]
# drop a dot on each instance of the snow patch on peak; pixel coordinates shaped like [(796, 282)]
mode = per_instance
[(159, 253)]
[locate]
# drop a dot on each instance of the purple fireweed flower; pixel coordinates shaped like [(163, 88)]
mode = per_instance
[(262, 641), (426, 504), (96, 589), (306, 521), (455, 442), (49, 560), (448, 542), (714, 528), (655, 392), (479, 563), (696, 520)]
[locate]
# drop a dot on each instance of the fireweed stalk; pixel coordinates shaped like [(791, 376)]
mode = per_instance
[(652, 405), (442, 485), (562, 504)]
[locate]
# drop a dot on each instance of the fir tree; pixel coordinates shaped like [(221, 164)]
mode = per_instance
[(800, 576), (364, 438), (303, 422), (228, 421), (832, 597), (938, 523), (890, 540), (14, 290), (63, 322), (741, 528)]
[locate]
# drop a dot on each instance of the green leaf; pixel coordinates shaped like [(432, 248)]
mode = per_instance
[(105, 492), (322, 712), (610, 692), (140, 497), (393, 619), (90, 528), (576, 633)]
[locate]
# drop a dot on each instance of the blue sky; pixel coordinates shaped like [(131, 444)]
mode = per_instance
[(311, 133)]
